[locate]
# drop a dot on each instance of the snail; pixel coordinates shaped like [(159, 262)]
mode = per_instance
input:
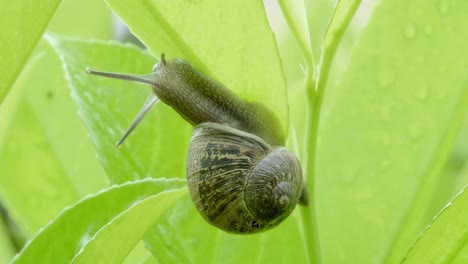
[(240, 176)]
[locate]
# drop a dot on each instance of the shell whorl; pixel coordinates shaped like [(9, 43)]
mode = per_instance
[(238, 182)]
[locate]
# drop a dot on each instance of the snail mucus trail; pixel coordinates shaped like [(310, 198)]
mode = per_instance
[(240, 176)]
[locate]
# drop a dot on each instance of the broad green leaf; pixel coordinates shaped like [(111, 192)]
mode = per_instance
[(50, 101), (77, 225), (124, 231), (32, 180), (140, 254), (445, 240), (42, 156), (388, 129), (7, 250), (23, 23), (158, 146), (454, 174), (33, 186), (229, 40), (85, 19), (182, 236)]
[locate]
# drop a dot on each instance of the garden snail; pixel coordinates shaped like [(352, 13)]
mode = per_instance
[(240, 176)]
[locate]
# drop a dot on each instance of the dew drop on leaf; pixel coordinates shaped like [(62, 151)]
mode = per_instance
[(419, 12), (351, 175), (385, 164), (442, 69), (410, 31), (386, 79), (428, 29), (443, 7), (420, 59), (421, 94)]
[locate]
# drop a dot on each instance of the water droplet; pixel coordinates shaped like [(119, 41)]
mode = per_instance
[(449, 29), (419, 12), (385, 164), (410, 31), (421, 94), (428, 29), (316, 72), (443, 7)]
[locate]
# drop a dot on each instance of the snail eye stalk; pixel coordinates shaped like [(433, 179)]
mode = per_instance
[(150, 101)]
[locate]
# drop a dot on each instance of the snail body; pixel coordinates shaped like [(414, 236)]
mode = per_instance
[(240, 176)]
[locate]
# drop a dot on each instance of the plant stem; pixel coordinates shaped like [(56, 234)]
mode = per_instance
[(315, 91), (309, 214), (292, 23)]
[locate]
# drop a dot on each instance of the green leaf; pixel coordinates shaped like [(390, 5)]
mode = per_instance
[(445, 240), (140, 254), (93, 216), (454, 173), (124, 231), (23, 23), (183, 236), (42, 156), (388, 124), (50, 101), (109, 106), (85, 19), (212, 35), (7, 250), (42, 177)]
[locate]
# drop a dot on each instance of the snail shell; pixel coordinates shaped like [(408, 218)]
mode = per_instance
[(238, 182)]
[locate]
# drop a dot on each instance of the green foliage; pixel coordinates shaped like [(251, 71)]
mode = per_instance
[(22, 27), (445, 236), (377, 113), (81, 231)]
